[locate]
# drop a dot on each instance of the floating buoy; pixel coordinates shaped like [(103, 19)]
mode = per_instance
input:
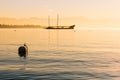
[(23, 51)]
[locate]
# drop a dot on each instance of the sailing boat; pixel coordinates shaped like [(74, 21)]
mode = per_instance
[(58, 27), (61, 27)]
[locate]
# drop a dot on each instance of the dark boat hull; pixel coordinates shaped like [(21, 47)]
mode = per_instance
[(61, 27)]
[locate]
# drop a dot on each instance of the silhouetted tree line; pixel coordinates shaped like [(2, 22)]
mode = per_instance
[(20, 26)]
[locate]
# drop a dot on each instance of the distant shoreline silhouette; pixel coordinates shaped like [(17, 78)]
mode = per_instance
[(20, 26)]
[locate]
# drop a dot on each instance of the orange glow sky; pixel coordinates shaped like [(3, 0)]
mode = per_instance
[(84, 13)]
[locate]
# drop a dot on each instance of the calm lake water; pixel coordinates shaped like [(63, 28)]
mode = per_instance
[(60, 54)]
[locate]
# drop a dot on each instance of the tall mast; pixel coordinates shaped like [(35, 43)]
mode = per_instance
[(57, 31), (57, 20), (48, 21)]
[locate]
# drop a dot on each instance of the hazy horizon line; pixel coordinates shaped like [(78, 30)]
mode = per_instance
[(80, 21)]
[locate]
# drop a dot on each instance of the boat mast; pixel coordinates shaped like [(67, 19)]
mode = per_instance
[(57, 20), (57, 31), (48, 33), (48, 21)]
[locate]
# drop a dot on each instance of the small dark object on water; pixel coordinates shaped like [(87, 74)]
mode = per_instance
[(23, 51)]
